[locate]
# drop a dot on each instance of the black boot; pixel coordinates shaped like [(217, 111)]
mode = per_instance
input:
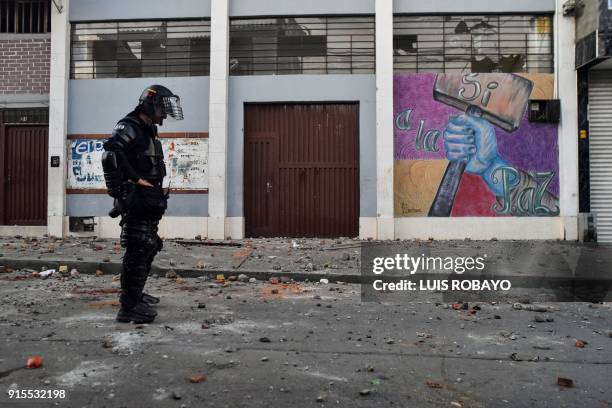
[(139, 314), (149, 299)]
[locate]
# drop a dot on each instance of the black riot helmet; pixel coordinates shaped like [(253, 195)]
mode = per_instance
[(157, 96)]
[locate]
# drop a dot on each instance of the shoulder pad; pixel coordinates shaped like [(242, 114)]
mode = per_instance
[(125, 132)]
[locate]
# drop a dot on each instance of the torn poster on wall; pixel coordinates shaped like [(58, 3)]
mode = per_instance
[(186, 163)]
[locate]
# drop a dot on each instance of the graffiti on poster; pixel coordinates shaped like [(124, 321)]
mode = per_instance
[(186, 163), (464, 146), (85, 165)]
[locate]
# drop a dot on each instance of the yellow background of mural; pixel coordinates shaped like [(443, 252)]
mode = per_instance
[(416, 185), (543, 85)]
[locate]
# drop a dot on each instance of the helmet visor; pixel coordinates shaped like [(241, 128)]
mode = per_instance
[(172, 107)]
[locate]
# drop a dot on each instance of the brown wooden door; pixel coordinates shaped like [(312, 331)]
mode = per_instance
[(23, 175), (301, 170)]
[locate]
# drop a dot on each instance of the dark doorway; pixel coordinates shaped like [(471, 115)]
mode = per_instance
[(301, 170)]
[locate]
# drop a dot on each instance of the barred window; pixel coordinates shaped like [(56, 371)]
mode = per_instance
[(25, 16), (140, 49), (302, 45), (473, 43)]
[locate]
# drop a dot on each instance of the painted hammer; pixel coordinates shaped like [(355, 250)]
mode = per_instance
[(499, 98)]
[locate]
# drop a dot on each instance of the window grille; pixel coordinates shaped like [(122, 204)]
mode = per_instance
[(140, 49), (23, 116), (473, 43), (302, 45), (25, 16)]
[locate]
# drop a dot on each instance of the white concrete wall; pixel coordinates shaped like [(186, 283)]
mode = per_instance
[(384, 120), (58, 118), (567, 92), (218, 116)]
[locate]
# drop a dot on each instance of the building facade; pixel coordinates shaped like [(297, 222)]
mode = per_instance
[(324, 118)]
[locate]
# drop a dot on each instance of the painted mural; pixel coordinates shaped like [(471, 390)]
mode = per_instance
[(464, 147), (186, 163)]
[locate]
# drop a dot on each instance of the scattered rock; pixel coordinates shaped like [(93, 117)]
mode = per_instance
[(264, 340), (320, 398), (324, 281), (200, 265), (171, 274), (433, 384), (34, 362), (176, 396), (565, 382), (74, 273), (530, 307), (201, 305), (198, 378), (265, 359), (580, 343), (252, 280), (243, 278), (274, 291), (543, 319), (365, 391)]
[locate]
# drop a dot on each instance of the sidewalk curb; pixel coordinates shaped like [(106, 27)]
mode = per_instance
[(113, 268)]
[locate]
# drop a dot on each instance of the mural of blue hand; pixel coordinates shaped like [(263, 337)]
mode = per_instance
[(473, 140)]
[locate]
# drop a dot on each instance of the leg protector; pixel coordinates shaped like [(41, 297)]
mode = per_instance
[(139, 237)]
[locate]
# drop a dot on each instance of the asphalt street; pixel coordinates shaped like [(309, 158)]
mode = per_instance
[(294, 344)]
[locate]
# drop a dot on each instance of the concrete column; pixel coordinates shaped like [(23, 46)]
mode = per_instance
[(567, 91), (58, 109), (218, 114), (384, 119)]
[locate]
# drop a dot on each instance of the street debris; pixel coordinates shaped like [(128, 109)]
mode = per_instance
[(580, 343), (529, 307), (543, 319), (74, 273), (565, 382), (433, 384), (198, 378), (34, 362), (47, 273), (460, 306), (324, 281)]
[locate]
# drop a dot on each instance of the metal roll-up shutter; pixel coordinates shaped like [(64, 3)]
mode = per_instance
[(600, 151)]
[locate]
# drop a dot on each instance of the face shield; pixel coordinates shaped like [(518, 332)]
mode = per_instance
[(172, 107)]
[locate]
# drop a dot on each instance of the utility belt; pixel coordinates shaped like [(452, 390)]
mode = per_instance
[(144, 202)]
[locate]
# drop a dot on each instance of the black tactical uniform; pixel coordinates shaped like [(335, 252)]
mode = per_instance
[(134, 153)]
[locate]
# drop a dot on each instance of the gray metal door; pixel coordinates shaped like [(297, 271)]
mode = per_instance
[(600, 151)]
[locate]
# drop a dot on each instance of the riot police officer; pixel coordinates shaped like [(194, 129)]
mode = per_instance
[(134, 169)]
